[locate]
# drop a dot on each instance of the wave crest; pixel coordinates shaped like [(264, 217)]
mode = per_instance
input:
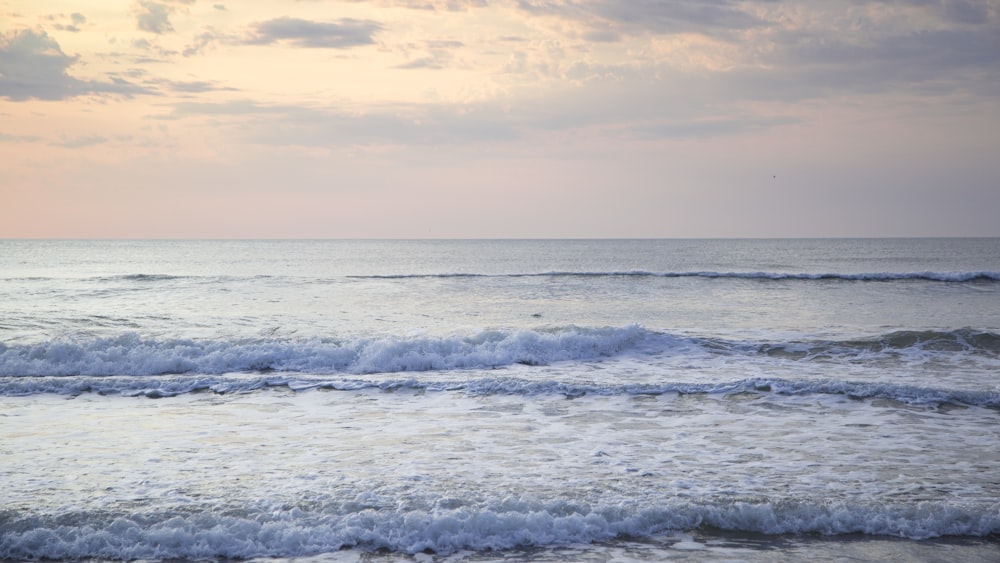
[(170, 386), (514, 522), (131, 354), (901, 342), (955, 277)]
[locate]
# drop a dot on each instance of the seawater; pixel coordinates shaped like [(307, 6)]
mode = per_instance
[(514, 400)]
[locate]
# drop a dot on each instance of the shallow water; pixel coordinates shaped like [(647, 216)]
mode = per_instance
[(500, 400)]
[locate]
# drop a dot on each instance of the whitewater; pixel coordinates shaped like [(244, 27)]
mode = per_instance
[(642, 400)]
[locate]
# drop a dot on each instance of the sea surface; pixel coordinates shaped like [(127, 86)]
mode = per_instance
[(520, 400)]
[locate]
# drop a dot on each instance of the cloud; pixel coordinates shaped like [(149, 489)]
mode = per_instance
[(32, 65), (440, 55), (933, 60), (192, 86), (434, 63), (963, 11), (767, 53), (444, 44), (795, 50), (80, 142), (75, 20), (776, 52), (4, 138), (610, 21), (343, 34), (657, 16), (283, 125), (702, 128), (431, 5), (202, 41), (153, 17)]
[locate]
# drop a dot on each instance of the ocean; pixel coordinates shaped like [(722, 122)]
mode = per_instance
[(511, 400)]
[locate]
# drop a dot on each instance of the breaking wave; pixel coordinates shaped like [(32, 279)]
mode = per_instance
[(131, 364), (132, 354), (452, 525)]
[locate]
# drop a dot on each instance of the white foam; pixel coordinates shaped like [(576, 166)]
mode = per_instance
[(633, 360), (505, 524), (132, 354)]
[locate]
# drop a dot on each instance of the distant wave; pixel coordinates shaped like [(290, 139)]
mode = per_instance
[(259, 530), (170, 386), (872, 276), (140, 277), (946, 277), (130, 354), (899, 343), (146, 277)]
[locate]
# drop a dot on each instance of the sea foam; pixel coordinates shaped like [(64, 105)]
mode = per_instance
[(132, 354), (129, 364), (502, 524)]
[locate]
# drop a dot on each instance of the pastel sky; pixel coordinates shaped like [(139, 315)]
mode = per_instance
[(499, 118)]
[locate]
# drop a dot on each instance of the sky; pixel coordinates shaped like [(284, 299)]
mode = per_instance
[(499, 118)]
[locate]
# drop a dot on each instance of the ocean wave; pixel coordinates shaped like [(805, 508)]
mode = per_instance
[(140, 278), (929, 276), (144, 277), (513, 522), (910, 394), (917, 343), (171, 386), (962, 277), (130, 354)]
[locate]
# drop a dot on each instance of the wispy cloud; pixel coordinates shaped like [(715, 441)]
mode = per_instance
[(611, 21), (81, 142), (342, 34), (5, 138), (709, 127), (437, 54), (192, 86), (284, 125), (75, 20), (202, 41)]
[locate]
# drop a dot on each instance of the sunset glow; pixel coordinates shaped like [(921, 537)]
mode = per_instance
[(478, 118)]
